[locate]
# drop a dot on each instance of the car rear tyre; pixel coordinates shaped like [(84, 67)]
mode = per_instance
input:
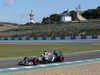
[(61, 58), (36, 61)]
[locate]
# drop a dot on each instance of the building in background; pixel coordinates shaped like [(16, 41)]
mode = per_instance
[(66, 17), (31, 17)]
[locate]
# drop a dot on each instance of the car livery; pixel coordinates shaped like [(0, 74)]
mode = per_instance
[(56, 56)]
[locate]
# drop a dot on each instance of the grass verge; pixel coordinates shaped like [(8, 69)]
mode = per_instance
[(18, 50)]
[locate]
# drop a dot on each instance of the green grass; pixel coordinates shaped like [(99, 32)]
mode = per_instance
[(17, 50)]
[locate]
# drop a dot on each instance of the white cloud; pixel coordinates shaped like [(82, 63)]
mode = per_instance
[(8, 3)]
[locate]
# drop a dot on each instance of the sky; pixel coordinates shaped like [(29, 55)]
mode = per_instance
[(17, 11)]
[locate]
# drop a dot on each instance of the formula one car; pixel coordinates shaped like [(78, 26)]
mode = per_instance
[(56, 56)]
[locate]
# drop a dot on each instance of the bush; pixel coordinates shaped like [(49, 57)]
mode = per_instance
[(1, 24)]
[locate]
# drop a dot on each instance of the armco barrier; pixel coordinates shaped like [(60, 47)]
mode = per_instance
[(53, 38)]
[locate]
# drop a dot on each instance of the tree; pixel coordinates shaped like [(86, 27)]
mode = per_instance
[(88, 14), (52, 19), (29, 23), (64, 11), (98, 7), (74, 15), (45, 20), (1, 24), (55, 18), (92, 13)]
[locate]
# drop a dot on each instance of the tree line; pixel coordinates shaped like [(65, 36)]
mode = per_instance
[(88, 14), (92, 13), (55, 18)]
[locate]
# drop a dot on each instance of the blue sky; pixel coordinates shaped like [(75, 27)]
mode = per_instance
[(17, 11)]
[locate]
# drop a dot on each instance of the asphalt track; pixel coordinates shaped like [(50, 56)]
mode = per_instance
[(12, 62)]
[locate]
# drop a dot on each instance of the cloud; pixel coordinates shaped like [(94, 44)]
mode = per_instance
[(8, 3)]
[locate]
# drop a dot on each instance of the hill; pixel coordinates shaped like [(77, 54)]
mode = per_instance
[(6, 26), (92, 13), (54, 30)]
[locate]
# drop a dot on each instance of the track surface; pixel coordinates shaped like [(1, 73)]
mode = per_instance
[(12, 62)]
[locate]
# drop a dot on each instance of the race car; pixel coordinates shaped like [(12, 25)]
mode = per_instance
[(48, 57)]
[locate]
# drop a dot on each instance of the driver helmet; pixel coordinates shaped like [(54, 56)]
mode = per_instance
[(45, 53)]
